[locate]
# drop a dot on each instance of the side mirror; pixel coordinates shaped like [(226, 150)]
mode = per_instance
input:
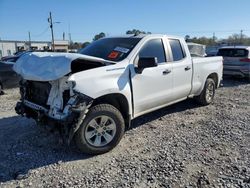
[(146, 62)]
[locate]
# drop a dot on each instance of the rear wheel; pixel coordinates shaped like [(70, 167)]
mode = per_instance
[(101, 130), (1, 89), (208, 92)]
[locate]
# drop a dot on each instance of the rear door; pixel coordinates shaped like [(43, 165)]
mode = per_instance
[(182, 69), (153, 87)]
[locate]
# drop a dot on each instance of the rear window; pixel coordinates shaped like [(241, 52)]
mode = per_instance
[(233, 52), (177, 50), (113, 49)]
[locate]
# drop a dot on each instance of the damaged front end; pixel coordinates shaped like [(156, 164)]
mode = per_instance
[(54, 104), (48, 96)]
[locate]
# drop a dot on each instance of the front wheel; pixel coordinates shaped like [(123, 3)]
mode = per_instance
[(207, 94), (101, 130)]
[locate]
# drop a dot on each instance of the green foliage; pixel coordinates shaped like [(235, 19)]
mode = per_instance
[(203, 40), (238, 39), (187, 38), (75, 45), (234, 39), (136, 32), (98, 36), (85, 44)]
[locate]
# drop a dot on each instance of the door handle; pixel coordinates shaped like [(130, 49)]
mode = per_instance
[(167, 71), (187, 68)]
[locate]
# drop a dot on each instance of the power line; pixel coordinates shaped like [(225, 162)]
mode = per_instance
[(42, 33)]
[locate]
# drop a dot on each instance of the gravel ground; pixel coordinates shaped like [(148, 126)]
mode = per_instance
[(184, 145)]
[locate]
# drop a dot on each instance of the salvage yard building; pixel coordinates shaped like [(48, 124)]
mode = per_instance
[(9, 47)]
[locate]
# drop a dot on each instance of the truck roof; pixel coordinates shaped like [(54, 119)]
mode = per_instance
[(145, 35)]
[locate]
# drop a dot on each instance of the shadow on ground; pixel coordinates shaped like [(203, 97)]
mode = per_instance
[(25, 146), (179, 107), (234, 81)]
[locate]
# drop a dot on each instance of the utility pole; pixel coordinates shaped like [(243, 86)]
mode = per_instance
[(52, 33), (69, 36), (2, 54), (241, 36), (29, 42), (213, 37)]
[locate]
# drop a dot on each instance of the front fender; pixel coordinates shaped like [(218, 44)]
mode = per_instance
[(103, 81)]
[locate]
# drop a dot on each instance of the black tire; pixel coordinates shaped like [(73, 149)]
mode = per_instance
[(1, 89), (95, 112), (248, 79), (202, 98)]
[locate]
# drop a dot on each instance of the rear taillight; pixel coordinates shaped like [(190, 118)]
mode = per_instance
[(245, 60)]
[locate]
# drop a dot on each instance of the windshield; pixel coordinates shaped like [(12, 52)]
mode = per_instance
[(233, 52), (113, 49)]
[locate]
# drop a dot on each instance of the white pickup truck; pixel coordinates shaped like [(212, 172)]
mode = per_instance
[(94, 95)]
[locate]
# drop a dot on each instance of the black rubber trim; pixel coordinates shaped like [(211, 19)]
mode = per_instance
[(131, 90)]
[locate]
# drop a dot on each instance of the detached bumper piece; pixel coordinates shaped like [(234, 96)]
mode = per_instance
[(35, 106)]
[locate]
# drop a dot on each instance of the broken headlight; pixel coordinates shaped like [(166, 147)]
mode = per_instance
[(83, 98)]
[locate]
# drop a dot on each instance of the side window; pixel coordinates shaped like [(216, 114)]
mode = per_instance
[(153, 48), (177, 50)]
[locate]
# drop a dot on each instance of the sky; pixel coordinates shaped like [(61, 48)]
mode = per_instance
[(85, 18)]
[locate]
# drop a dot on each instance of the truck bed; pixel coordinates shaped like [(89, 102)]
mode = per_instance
[(204, 66)]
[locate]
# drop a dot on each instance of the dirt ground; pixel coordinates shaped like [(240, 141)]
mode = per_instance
[(183, 145)]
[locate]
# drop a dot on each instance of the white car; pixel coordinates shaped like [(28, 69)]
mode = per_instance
[(236, 60), (93, 96)]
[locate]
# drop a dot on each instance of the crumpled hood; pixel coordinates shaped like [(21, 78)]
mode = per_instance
[(48, 66)]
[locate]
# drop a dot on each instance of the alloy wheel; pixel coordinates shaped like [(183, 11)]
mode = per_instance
[(100, 131)]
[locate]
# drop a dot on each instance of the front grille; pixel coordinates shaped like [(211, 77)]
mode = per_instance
[(38, 92)]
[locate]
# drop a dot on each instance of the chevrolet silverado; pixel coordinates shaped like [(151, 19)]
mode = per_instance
[(93, 96)]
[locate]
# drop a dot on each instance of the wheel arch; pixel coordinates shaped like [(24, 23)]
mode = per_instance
[(119, 101), (215, 77)]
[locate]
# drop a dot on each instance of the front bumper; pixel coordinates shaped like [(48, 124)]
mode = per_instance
[(76, 104)]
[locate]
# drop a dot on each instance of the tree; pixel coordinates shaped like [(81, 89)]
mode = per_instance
[(238, 39), (202, 40), (187, 38), (85, 44), (136, 32), (98, 36)]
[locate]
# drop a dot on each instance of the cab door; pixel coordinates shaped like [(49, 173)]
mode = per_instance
[(152, 87), (182, 70)]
